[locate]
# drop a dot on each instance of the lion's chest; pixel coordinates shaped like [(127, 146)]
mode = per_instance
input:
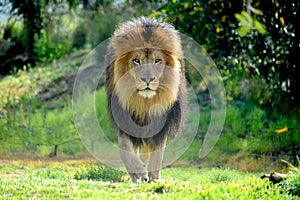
[(155, 106)]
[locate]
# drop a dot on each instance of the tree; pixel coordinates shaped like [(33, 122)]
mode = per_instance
[(267, 52), (280, 49), (31, 12)]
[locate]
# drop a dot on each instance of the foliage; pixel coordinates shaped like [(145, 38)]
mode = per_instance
[(33, 129), (47, 30), (27, 122), (249, 140), (248, 23), (35, 125), (247, 128), (266, 51), (98, 29), (100, 173), (246, 39), (45, 48), (292, 184), (31, 12)]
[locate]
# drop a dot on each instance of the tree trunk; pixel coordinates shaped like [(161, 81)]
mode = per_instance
[(53, 153)]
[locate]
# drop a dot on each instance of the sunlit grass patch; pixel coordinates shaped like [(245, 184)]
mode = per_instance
[(100, 173), (92, 181)]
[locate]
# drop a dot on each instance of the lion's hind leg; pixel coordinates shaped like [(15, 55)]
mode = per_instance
[(135, 167)]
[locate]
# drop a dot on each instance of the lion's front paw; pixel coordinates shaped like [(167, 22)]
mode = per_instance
[(154, 176), (136, 177), (138, 173)]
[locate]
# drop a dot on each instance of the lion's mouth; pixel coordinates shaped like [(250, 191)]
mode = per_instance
[(146, 88), (147, 93)]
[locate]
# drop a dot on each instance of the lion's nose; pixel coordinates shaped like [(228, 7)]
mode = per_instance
[(147, 80)]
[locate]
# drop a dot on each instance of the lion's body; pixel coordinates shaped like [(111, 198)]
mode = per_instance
[(145, 69)]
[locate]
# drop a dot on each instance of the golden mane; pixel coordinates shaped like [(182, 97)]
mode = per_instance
[(138, 35), (145, 69), (145, 33)]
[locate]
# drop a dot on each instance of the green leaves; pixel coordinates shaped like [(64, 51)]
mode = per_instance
[(292, 184), (45, 48), (259, 26), (249, 23)]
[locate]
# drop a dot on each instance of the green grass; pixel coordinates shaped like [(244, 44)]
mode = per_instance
[(14, 89), (60, 181)]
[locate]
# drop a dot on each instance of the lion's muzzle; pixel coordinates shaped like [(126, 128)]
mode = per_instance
[(148, 88), (147, 82)]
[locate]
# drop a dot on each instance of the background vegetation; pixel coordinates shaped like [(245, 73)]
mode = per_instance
[(254, 44)]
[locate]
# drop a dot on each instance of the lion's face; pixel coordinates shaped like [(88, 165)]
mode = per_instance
[(147, 67), (145, 77)]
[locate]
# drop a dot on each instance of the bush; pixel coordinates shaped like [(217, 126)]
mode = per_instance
[(45, 48), (241, 46), (100, 173), (292, 184)]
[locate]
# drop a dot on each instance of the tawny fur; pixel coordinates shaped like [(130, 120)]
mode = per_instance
[(138, 36)]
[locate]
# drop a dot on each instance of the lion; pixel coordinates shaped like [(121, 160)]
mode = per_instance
[(146, 92)]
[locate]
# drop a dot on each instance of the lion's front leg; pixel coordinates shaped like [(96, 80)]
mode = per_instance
[(135, 167), (155, 160)]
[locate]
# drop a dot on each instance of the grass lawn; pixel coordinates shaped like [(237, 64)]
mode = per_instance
[(78, 180)]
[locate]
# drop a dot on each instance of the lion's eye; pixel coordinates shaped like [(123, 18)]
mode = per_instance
[(136, 61), (157, 61)]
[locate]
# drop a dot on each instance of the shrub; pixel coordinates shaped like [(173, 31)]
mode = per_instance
[(45, 48), (100, 173), (292, 184)]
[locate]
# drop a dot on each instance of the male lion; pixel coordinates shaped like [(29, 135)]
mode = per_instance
[(146, 92)]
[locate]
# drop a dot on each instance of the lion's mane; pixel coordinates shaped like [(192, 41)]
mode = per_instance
[(139, 34)]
